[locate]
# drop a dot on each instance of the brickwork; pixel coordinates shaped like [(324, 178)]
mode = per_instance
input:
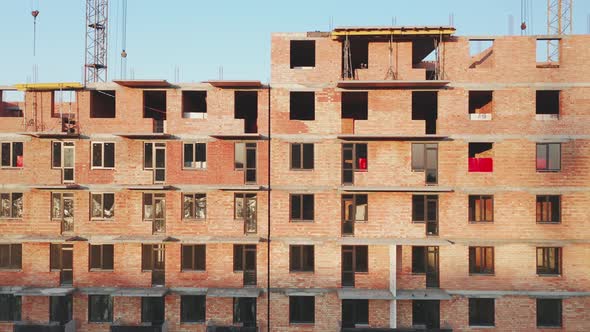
[(388, 181)]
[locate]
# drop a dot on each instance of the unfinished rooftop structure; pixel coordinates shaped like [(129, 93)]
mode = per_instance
[(386, 179)]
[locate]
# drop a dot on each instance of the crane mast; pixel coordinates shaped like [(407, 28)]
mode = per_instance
[(95, 56)]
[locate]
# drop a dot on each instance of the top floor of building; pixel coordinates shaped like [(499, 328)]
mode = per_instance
[(426, 56), (392, 81)]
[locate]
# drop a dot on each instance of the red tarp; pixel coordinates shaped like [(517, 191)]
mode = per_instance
[(481, 164)]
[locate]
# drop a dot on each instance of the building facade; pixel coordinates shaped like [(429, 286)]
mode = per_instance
[(385, 178)]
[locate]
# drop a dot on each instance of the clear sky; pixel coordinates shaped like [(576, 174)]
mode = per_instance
[(200, 36)]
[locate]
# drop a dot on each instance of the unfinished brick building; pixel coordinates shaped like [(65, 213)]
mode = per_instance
[(419, 180)]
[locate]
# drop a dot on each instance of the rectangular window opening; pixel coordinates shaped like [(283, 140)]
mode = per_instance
[(301, 258), (481, 208), (549, 312), (547, 104), (302, 207), (481, 260), (481, 157), (11, 256), (548, 157), (11, 103), (103, 155), (194, 257), (246, 108), (100, 308), (548, 208), (63, 103), (194, 104), (354, 106), (480, 105), (245, 311), (301, 309), (10, 308), (103, 104), (152, 310), (548, 52), (302, 53), (426, 314), (194, 206), (548, 261), (192, 308), (355, 313), (195, 155), (482, 53), (358, 58), (302, 105), (101, 257), (425, 107), (11, 205), (481, 312), (302, 156)]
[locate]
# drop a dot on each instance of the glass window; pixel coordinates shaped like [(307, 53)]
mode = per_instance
[(481, 312), (481, 260), (301, 258), (194, 206), (301, 309), (100, 308), (192, 308)]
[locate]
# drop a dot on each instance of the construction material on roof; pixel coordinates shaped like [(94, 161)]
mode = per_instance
[(380, 31), (48, 86), (144, 83)]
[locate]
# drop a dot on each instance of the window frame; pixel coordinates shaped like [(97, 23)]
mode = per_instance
[(240, 251), (355, 155), (101, 258), (152, 248), (194, 198), (560, 313), (62, 144), (473, 303), (546, 147), (301, 208), (11, 154), (14, 308), (483, 251), (102, 144), (62, 196), (426, 198), (194, 148), (354, 250), (109, 308), (292, 302), (193, 267), (247, 146), (543, 270), (12, 209), (301, 266), (355, 304), (301, 148), (14, 263), (546, 200), (482, 208), (198, 298), (355, 204), (92, 217), (160, 196)]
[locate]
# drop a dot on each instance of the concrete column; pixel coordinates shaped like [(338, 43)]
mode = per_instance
[(392, 285)]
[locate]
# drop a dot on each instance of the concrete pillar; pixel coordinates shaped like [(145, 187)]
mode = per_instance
[(392, 285)]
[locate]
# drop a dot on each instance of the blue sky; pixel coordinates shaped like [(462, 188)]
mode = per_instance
[(200, 36)]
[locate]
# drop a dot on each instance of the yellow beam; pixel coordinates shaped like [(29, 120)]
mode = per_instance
[(395, 32), (48, 86)]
